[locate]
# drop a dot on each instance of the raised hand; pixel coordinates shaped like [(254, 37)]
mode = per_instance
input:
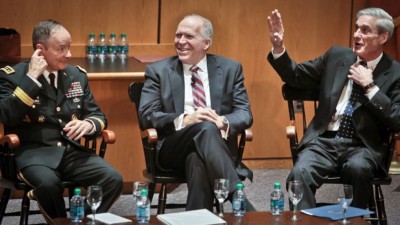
[(276, 31), (37, 65)]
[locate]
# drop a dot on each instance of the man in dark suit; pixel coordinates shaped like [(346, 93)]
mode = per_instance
[(200, 140), (49, 105), (326, 149)]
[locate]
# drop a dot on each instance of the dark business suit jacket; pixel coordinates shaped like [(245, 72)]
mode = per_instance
[(373, 119), (162, 98), (37, 115)]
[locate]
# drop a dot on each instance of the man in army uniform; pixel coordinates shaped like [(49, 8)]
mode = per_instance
[(49, 105)]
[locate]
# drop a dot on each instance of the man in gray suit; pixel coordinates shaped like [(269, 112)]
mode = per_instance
[(355, 155), (199, 140)]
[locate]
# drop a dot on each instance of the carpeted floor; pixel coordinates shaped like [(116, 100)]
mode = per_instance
[(257, 192)]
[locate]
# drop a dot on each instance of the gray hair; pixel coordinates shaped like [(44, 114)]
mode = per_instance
[(384, 21), (43, 30), (207, 29)]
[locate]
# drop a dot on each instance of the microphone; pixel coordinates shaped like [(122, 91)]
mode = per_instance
[(193, 81)]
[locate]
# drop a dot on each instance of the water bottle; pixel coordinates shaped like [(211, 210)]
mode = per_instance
[(91, 48), (123, 47), (277, 200), (143, 208), (239, 201), (112, 47), (77, 209), (102, 47)]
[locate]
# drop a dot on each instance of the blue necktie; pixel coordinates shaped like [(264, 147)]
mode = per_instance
[(346, 127)]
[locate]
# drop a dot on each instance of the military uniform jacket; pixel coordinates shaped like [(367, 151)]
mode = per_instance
[(37, 115)]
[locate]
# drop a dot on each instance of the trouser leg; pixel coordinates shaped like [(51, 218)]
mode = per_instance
[(358, 169), (200, 193), (89, 169), (47, 189), (205, 140), (314, 164)]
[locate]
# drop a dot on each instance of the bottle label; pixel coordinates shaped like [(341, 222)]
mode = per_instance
[(238, 204), (123, 49), (112, 49), (102, 49), (90, 49), (80, 211)]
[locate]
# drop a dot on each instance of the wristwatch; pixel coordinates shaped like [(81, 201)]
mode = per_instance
[(225, 121), (366, 87)]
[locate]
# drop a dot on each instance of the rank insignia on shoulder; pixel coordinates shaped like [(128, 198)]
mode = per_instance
[(8, 70), (81, 69)]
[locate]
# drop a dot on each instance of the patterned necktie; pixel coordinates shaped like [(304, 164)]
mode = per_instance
[(52, 78), (199, 96), (346, 127)]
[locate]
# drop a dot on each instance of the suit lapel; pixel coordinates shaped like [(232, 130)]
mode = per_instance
[(381, 70), (177, 86), (215, 79), (64, 81), (340, 79)]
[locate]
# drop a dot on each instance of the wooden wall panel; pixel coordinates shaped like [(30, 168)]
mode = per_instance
[(137, 18), (241, 33), (126, 154)]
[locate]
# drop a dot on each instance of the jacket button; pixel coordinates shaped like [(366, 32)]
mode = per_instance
[(59, 144), (58, 109)]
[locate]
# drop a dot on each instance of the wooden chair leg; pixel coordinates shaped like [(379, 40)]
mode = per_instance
[(4, 201), (373, 218), (152, 188), (24, 209), (162, 199), (380, 205)]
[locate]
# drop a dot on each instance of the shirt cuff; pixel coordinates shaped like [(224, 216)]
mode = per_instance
[(178, 122), (275, 56), (94, 127), (224, 133), (35, 80), (372, 93)]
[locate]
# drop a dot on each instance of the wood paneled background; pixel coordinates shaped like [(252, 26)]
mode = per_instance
[(240, 33)]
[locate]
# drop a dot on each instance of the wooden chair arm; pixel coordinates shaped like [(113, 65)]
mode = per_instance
[(11, 139), (291, 130), (108, 136), (150, 134), (249, 135)]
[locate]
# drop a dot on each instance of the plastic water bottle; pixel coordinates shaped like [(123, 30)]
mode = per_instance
[(91, 48), (77, 209), (102, 47), (112, 47), (123, 47), (239, 201), (277, 200), (143, 208)]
